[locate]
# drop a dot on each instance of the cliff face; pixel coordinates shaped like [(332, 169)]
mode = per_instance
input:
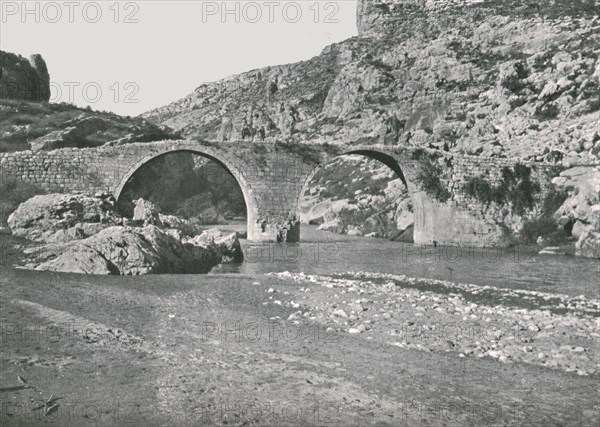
[(24, 80), (496, 78)]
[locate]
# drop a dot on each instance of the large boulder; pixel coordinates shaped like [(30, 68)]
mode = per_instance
[(228, 246), (23, 80), (581, 210), (63, 217), (588, 244), (325, 211), (126, 251), (187, 227)]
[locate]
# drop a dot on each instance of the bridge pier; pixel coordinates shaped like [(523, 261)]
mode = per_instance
[(264, 231)]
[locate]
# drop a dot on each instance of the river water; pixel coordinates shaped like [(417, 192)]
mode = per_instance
[(328, 253)]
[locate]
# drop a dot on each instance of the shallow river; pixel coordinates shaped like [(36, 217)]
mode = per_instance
[(328, 253)]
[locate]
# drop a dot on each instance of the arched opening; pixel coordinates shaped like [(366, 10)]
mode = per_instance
[(190, 185), (360, 193)]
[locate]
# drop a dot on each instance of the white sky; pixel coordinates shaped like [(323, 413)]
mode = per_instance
[(173, 48)]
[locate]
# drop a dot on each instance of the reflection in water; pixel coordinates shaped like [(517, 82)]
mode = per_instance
[(328, 253)]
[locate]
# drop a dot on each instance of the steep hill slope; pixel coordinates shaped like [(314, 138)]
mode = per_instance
[(496, 78)]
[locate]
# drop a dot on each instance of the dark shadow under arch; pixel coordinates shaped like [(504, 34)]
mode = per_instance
[(386, 159), (249, 200)]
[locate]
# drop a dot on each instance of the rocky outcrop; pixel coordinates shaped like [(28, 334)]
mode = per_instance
[(515, 78), (79, 233), (146, 212), (88, 130), (126, 251), (227, 246), (63, 217), (23, 80), (580, 213)]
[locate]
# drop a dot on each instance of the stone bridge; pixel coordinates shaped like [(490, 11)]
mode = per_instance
[(273, 178)]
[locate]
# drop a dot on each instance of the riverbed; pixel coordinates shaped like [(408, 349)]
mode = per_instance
[(520, 267)]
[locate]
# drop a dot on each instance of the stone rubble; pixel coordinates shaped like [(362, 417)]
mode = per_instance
[(552, 330)]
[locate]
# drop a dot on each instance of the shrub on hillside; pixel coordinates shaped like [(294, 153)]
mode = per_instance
[(516, 188), (429, 177)]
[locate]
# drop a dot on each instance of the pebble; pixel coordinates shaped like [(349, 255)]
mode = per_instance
[(340, 313), (405, 308)]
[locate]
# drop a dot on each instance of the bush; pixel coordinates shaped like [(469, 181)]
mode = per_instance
[(479, 189), (13, 192), (429, 177), (546, 112), (515, 83), (544, 227), (553, 201), (516, 188)]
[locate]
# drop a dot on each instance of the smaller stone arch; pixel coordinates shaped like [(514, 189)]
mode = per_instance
[(249, 198), (376, 154)]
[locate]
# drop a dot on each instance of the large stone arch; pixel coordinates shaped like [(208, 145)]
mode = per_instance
[(249, 198), (387, 158)]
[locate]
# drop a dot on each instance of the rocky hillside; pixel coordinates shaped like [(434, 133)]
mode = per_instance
[(47, 126), (497, 78), (23, 80)]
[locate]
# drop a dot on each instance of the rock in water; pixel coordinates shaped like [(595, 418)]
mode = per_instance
[(228, 246)]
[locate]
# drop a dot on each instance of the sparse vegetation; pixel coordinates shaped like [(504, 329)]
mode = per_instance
[(515, 82), (429, 178), (547, 112), (545, 226), (23, 122), (516, 188), (481, 190)]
